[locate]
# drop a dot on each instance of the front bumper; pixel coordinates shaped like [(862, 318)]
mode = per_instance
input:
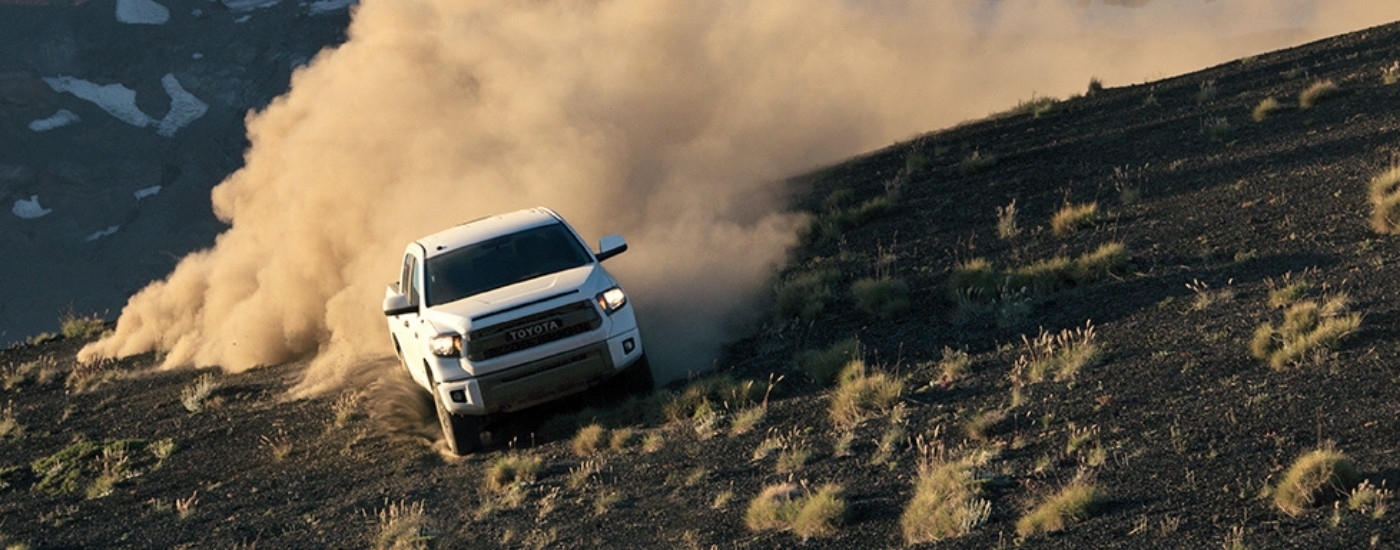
[(542, 380)]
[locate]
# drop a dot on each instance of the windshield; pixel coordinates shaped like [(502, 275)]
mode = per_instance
[(502, 261)]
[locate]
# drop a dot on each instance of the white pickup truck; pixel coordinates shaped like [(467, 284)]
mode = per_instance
[(507, 312)]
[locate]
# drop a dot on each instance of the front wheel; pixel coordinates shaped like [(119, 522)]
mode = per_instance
[(462, 432), (637, 379)]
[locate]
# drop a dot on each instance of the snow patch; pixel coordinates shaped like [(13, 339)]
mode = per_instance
[(243, 19), (103, 233), (119, 101), (326, 6), (30, 209), (142, 12), (184, 107), (147, 192), (63, 117), (249, 5)]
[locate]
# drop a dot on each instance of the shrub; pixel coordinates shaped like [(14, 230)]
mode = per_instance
[(1266, 107), (883, 297), (1095, 86), (946, 503), (589, 439), (805, 295), (1385, 202), (861, 392), (1072, 503), (193, 396), (1307, 327), (1319, 474), (822, 366), (788, 507), (75, 326), (1319, 91), (108, 464), (1073, 217)]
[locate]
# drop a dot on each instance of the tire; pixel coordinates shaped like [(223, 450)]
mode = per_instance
[(637, 379), (461, 432)]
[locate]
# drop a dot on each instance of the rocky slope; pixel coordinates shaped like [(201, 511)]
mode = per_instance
[(106, 193), (1182, 432)]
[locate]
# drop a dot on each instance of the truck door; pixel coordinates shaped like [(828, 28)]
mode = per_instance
[(406, 326)]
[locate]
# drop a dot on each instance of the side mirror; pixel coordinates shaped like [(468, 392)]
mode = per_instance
[(397, 304), (610, 246)]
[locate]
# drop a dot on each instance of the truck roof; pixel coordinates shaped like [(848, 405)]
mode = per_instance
[(485, 228)]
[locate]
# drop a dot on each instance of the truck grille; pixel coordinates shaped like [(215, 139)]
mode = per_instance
[(527, 332)]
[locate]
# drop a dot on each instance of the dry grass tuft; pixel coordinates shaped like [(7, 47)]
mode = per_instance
[(9, 424), (981, 425), (976, 163), (1318, 475), (860, 393), (823, 365), (511, 470), (403, 527), (1319, 91), (1072, 503), (589, 439), (279, 445), (1308, 327), (882, 297), (1265, 108), (946, 501), (952, 366), (1385, 202), (1073, 217), (1056, 356), (789, 507), (978, 280), (1369, 499), (1006, 222), (805, 295)]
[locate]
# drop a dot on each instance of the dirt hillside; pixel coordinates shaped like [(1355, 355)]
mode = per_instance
[(1185, 364)]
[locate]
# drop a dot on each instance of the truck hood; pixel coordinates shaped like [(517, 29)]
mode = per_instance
[(575, 284)]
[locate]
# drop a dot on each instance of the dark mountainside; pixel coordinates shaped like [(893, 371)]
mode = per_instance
[(1183, 434), (100, 236)]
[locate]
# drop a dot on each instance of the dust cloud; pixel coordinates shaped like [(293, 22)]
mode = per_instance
[(670, 121)]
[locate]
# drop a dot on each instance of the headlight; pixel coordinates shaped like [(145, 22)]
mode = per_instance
[(612, 300), (446, 345)]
